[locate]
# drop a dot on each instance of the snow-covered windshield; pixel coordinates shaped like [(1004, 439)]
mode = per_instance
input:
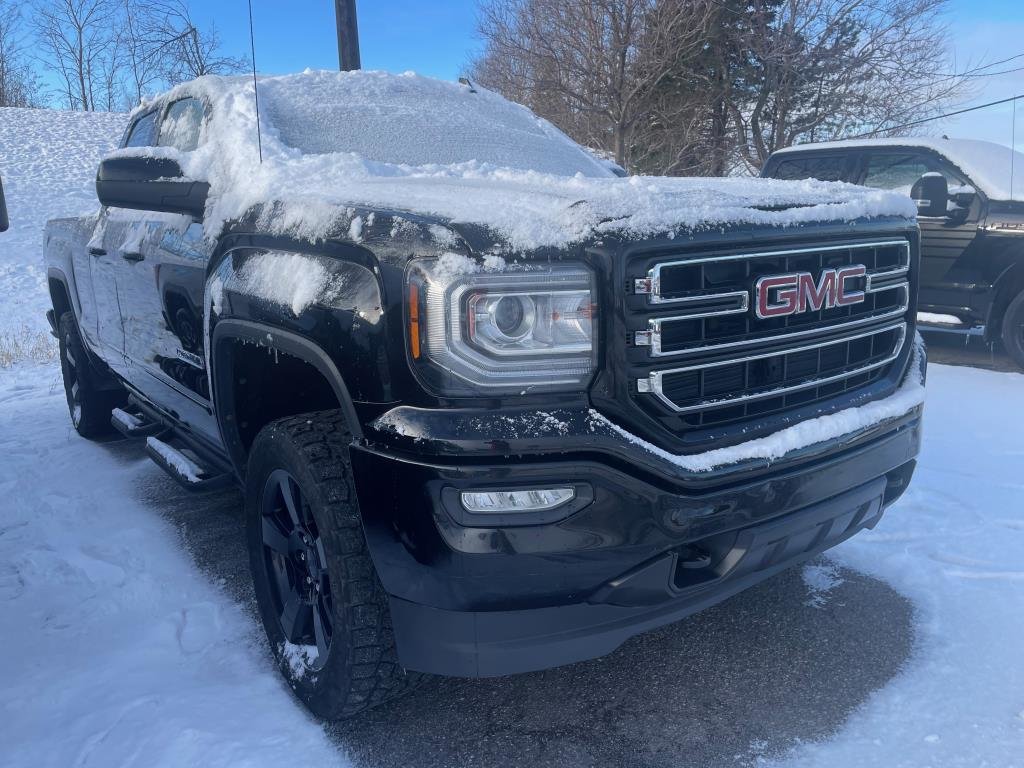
[(408, 120)]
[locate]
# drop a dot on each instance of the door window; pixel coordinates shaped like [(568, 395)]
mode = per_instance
[(900, 171), (143, 131), (182, 125), (823, 168)]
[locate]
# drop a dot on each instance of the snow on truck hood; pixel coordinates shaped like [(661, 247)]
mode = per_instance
[(331, 140)]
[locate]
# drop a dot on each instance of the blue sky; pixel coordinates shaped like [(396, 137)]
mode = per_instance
[(432, 37), (438, 37)]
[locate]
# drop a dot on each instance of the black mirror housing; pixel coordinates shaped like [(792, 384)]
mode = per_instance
[(149, 184), (931, 193), (4, 222), (963, 195)]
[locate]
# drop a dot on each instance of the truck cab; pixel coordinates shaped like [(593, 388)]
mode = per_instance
[(972, 222)]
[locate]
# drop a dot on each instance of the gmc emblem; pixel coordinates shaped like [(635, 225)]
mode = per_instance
[(781, 295)]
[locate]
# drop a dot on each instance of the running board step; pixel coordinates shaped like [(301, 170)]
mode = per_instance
[(132, 425), (961, 330), (183, 468)]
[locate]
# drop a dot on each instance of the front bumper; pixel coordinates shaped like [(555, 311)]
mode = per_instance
[(648, 544)]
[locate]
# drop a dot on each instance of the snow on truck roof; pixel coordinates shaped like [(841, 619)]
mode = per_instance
[(461, 153), (986, 163)]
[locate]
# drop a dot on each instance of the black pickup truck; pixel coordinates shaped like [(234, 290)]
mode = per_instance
[(972, 222), (465, 451)]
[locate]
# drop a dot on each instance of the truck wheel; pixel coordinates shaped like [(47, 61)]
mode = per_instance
[(89, 406), (324, 610), (1013, 330)]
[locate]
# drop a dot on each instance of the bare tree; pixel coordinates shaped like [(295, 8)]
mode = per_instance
[(141, 49), (19, 86), (110, 54), (824, 69), (184, 50), (77, 39), (595, 68)]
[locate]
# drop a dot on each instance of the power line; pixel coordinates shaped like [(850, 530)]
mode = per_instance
[(993, 74), (978, 71), (939, 117)]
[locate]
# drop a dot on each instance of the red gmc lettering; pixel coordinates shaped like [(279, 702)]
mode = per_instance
[(815, 296), (781, 295), (786, 296), (844, 297)]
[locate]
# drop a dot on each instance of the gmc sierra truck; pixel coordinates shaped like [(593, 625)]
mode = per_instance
[(493, 407), (970, 199)]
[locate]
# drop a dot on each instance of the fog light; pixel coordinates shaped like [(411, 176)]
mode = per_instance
[(536, 500)]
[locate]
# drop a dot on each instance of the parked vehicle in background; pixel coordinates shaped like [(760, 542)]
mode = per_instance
[(972, 222), (494, 408)]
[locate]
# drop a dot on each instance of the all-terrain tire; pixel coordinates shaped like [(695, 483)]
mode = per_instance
[(1013, 330), (361, 668), (88, 404)]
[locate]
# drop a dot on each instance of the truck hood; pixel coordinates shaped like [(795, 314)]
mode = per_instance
[(533, 211)]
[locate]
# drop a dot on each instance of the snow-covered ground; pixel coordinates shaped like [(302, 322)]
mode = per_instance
[(954, 544), (116, 650)]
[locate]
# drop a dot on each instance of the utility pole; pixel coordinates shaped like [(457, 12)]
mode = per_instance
[(348, 34)]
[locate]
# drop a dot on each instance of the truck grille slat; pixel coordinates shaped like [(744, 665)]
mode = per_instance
[(713, 360)]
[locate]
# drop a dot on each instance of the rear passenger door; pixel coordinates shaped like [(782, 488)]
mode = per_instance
[(164, 280), (946, 242)]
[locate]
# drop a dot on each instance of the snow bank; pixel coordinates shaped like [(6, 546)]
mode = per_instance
[(48, 162), (116, 650), (985, 163), (404, 142)]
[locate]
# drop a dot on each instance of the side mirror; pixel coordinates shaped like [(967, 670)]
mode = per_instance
[(149, 184), (4, 222), (931, 193)]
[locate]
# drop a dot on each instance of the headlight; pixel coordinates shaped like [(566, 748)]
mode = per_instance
[(472, 331)]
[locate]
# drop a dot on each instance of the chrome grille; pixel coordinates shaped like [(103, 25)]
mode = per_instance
[(713, 360)]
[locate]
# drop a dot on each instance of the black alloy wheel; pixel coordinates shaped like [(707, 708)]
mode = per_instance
[(72, 384), (88, 404), (322, 605), (297, 566)]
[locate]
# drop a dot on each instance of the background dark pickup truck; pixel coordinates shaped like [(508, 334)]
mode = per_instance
[(972, 227)]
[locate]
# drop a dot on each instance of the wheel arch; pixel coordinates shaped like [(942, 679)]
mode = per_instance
[(239, 418), (1007, 286), (60, 293)]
